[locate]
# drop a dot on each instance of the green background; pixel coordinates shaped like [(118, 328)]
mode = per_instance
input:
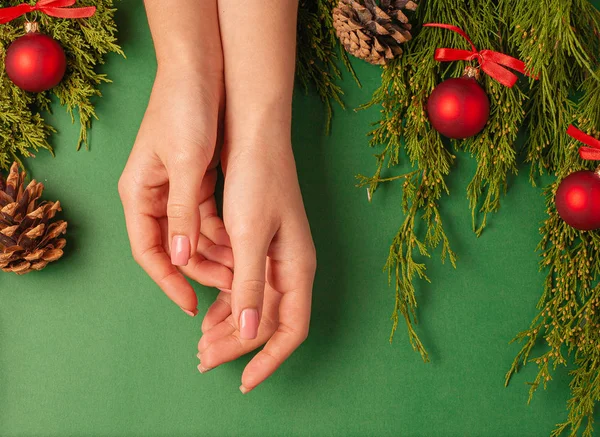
[(91, 347)]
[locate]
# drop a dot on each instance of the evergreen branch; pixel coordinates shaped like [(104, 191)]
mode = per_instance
[(23, 130), (316, 56), (406, 84), (569, 320), (559, 41)]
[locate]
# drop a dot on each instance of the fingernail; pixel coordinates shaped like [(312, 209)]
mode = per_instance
[(180, 250), (225, 290), (203, 369), (190, 313), (199, 356), (244, 390), (249, 324)]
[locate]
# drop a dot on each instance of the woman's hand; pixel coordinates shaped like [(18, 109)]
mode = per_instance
[(270, 236), (167, 187)]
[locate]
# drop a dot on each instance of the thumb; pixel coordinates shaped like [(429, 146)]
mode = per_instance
[(185, 196), (249, 258)]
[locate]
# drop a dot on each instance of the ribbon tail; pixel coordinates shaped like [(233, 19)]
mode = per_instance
[(83, 12), (584, 138), (505, 60), (9, 14), (589, 153), (498, 72), (447, 55)]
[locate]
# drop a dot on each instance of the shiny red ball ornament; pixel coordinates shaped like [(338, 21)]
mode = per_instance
[(35, 62), (459, 108), (578, 200)]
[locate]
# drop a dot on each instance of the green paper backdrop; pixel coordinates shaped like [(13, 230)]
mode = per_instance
[(91, 347)]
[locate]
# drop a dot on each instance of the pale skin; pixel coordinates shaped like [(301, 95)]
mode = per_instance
[(226, 83)]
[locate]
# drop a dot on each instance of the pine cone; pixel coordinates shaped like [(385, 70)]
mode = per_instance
[(370, 32), (28, 239)]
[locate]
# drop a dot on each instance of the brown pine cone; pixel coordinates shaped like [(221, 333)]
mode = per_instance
[(371, 32), (29, 240)]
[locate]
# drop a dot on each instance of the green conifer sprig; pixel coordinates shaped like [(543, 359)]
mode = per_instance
[(86, 42), (569, 318), (317, 53), (560, 43), (406, 85)]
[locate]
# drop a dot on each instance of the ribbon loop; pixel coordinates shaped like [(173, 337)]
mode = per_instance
[(495, 64), (592, 151), (52, 8)]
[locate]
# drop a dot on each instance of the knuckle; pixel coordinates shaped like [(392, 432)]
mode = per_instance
[(298, 334), (311, 261), (253, 286), (308, 263), (303, 335), (266, 354), (122, 187), (179, 211), (195, 155), (163, 278), (141, 255)]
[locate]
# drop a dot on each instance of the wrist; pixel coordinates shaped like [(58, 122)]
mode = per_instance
[(181, 67), (207, 85), (259, 140), (263, 124)]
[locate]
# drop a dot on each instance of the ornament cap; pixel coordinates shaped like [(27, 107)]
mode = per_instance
[(31, 26), (472, 72)]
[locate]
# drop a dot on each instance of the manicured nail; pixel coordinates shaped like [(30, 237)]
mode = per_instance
[(249, 324), (244, 390), (203, 369), (180, 250), (190, 313)]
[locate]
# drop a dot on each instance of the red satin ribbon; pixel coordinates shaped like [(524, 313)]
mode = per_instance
[(53, 8), (493, 63), (590, 153)]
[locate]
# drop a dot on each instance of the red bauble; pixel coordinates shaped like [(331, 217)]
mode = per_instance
[(458, 108), (35, 62), (578, 200)]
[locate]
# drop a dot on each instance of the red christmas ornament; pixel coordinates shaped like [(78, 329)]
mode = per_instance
[(35, 62), (578, 200), (459, 108), (578, 196)]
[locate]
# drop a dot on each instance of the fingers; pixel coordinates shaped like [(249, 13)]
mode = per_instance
[(292, 331), (212, 224), (222, 343), (211, 273), (214, 243), (208, 273), (220, 330), (186, 176), (291, 272), (249, 254), (217, 312), (219, 254), (146, 247)]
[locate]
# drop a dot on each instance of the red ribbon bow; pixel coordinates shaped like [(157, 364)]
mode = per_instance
[(493, 63), (590, 153), (53, 8)]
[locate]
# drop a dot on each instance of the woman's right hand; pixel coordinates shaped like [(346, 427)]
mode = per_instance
[(167, 187)]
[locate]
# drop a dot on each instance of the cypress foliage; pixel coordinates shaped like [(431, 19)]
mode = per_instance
[(23, 130), (560, 42)]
